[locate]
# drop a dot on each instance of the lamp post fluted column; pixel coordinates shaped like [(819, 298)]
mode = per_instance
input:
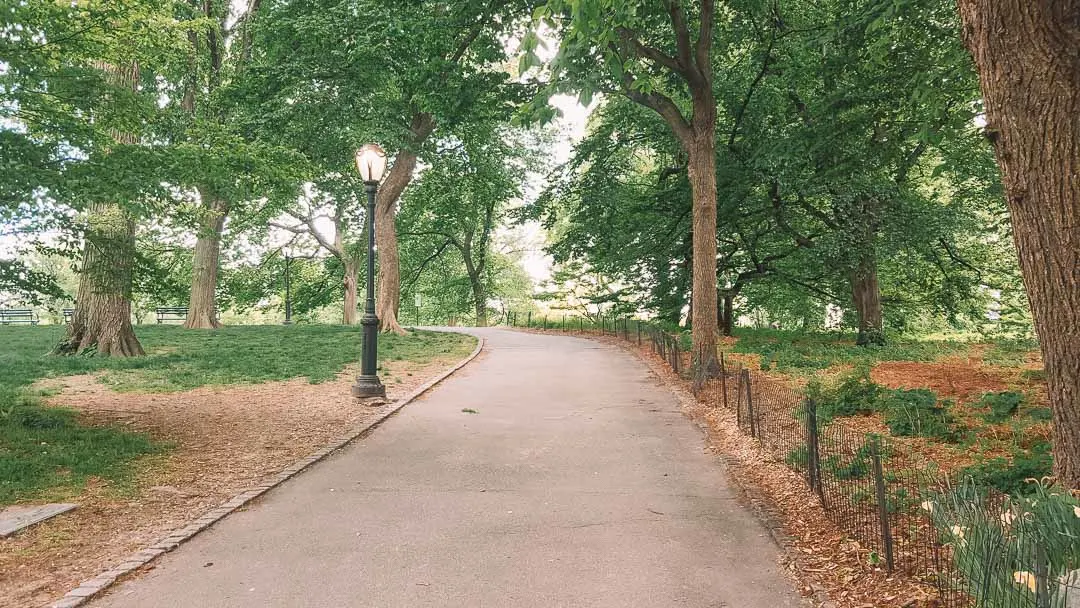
[(368, 384)]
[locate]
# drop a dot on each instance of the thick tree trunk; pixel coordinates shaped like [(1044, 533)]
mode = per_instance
[(102, 320), (725, 315), (702, 172), (480, 301), (1029, 68), (479, 293), (202, 304), (352, 272), (866, 296), (388, 297)]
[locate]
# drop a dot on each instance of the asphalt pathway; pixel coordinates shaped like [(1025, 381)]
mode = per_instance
[(576, 482)]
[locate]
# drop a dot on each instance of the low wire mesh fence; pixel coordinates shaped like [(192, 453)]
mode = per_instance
[(975, 547)]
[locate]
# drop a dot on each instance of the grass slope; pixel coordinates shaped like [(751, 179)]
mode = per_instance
[(46, 452), (800, 353)]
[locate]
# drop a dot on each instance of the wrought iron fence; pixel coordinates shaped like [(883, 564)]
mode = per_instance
[(975, 547)]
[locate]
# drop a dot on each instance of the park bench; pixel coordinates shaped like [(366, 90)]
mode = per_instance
[(167, 314), (17, 316), (69, 314)]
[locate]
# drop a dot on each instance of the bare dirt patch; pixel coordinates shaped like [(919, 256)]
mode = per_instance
[(951, 379), (223, 440)]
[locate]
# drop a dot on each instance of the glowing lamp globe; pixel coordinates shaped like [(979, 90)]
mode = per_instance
[(371, 162)]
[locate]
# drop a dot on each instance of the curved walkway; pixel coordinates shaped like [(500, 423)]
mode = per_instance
[(577, 482)]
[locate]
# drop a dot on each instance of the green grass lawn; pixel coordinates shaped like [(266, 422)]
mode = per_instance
[(46, 452), (799, 353)]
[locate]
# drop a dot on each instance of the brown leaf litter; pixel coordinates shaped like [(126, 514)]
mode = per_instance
[(224, 440)]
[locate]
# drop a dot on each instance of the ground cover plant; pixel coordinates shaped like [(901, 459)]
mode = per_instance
[(976, 409), (48, 452)]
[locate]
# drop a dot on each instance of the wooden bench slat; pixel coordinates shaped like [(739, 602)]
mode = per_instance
[(171, 313), (9, 316)]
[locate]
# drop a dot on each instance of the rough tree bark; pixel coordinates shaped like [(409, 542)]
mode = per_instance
[(702, 172), (388, 297), (697, 137), (1027, 53), (725, 315), (352, 273), (102, 320), (480, 302), (202, 304), (205, 262), (866, 296)]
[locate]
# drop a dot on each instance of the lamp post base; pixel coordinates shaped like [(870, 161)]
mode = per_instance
[(368, 387)]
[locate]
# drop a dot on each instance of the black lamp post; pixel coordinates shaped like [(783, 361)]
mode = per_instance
[(371, 161), (288, 290)]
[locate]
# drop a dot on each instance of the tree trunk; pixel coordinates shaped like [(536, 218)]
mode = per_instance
[(702, 173), (102, 320), (202, 304), (1029, 68), (479, 293), (352, 272), (866, 296), (725, 315), (480, 300), (388, 297)]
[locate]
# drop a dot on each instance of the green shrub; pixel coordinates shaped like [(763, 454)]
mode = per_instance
[(918, 413), (855, 394), (1013, 476), (799, 458), (1034, 375), (1042, 414), (1001, 405), (855, 468)]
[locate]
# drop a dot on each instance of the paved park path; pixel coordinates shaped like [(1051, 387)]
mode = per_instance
[(576, 483)]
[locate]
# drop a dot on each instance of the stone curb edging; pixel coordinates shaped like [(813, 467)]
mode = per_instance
[(93, 587)]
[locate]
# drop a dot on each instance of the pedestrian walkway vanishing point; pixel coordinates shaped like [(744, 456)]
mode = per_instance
[(577, 482)]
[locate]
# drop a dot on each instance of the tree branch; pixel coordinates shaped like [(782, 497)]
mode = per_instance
[(703, 48), (423, 265), (778, 214), (645, 51), (750, 91), (662, 105), (682, 34)]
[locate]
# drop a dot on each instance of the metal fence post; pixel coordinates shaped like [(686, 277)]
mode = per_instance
[(723, 381), (638, 322), (1042, 577), (883, 507), (528, 321), (676, 353), (750, 404), (738, 400), (670, 350), (813, 453)]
